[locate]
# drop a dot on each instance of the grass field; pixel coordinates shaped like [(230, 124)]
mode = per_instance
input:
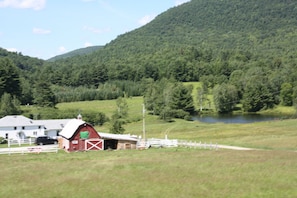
[(151, 173), (173, 172)]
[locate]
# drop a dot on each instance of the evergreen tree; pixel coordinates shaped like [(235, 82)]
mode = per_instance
[(9, 105), (257, 95), (27, 92), (181, 98), (43, 95), (9, 78)]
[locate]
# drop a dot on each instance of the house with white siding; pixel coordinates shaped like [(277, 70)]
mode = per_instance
[(16, 127)]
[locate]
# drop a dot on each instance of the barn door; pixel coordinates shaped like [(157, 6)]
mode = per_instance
[(94, 144)]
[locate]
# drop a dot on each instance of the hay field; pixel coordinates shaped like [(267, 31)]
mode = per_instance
[(165, 173)]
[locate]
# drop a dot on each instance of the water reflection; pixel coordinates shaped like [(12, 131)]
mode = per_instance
[(231, 118)]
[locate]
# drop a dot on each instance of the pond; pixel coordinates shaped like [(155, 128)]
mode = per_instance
[(235, 118)]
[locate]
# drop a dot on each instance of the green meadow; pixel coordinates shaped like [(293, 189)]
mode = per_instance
[(269, 171), (176, 172)]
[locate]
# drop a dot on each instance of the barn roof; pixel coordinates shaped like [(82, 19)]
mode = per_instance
[(118, 136), (71, 127)]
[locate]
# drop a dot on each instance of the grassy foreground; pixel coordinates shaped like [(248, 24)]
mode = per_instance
[(151, 173)]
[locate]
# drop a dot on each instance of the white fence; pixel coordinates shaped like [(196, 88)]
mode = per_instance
[(30, 149), (20, 142), (200, 145), (159, 143)]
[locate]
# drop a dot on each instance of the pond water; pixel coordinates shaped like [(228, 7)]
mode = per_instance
[(231, 118)]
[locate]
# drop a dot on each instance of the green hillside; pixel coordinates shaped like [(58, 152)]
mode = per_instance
[(24, 63), (198, 33), (81, 51), (257, 26)]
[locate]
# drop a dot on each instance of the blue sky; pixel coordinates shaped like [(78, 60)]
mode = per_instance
[(46, 28)]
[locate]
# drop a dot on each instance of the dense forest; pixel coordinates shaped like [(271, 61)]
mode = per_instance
[(242, 51)]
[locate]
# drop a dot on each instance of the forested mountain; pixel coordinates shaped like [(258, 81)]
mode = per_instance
[(18, 76), (24, 63), (196, 32), (257, 26), (246, 48), (81, 51)]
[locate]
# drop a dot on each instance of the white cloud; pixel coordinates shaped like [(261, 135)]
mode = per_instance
[(11, 49), (41, 31), (23, 4), (62, 49), (146, 19), (96, 30), (88, 44), (179, 2)]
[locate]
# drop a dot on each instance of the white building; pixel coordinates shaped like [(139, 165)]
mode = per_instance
[(17, 127), (52, 128)]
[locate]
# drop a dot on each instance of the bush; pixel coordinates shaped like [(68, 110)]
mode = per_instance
[(3, 141)]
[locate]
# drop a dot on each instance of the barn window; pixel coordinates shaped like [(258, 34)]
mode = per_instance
[(84, 134)]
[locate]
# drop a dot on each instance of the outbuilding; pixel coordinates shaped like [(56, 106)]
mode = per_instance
[(77, 135), (119, 141)]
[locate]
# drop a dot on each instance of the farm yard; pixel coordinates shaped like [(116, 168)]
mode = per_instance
[(268, 171)]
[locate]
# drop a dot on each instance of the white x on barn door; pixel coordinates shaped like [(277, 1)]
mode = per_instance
[(94, 144)]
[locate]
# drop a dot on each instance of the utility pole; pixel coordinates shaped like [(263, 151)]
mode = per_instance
[(143, 121)]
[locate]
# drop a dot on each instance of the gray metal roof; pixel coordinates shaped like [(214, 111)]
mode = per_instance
[(118, 136), (57, 124), (17, 120)]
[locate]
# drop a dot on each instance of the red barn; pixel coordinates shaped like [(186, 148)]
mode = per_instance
[(78, 135)]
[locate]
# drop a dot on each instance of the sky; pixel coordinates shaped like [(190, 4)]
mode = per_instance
[(46, 28)]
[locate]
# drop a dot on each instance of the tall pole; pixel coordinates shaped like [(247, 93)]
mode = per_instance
[(143, 121)]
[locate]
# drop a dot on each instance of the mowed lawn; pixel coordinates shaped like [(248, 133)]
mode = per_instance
[(176, 172)]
